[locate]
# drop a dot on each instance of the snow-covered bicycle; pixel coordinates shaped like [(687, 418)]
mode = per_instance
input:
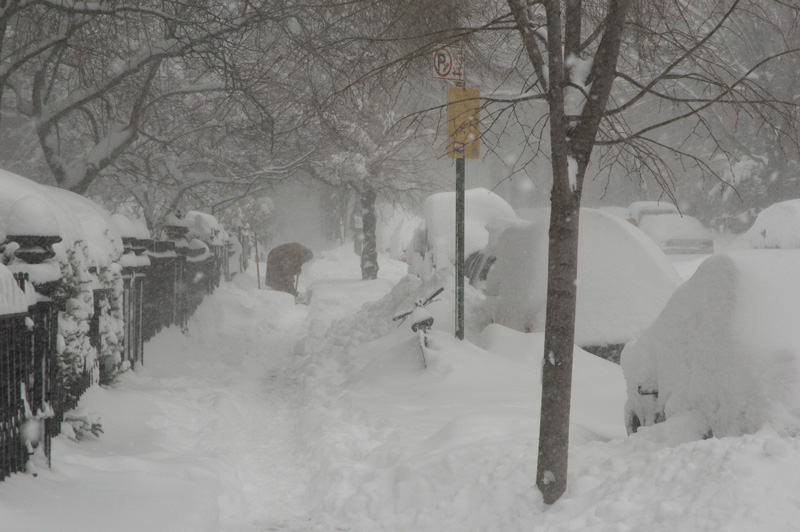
[(421, 320)]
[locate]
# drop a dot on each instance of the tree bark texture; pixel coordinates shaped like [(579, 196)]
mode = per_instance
[(567, 143), (369, 253)]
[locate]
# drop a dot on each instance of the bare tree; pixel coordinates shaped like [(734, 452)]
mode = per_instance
[(357, 136), (593, 63), (365, 151), (598, 85), (96, 79)]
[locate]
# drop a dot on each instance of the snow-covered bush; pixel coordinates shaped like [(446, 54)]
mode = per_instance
[(724, 354), (76, 354), (102, 253), (86, 259), (112, 324)]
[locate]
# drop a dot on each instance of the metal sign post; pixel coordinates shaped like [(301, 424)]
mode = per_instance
[(463, 142), (460, 209)]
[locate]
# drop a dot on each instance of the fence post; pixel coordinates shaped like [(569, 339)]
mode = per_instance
[(33, 367), (133, 279), (161, 285)]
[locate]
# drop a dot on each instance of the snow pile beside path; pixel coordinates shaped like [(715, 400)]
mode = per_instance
[(726, 347), (450, 446)]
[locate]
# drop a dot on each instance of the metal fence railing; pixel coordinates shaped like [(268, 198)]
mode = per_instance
[(165, 292)]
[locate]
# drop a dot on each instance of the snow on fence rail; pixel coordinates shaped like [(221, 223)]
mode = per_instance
[(80, 294)]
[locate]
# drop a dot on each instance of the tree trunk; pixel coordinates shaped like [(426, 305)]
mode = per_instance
[(369, 253), (567, 147), (551, 477)]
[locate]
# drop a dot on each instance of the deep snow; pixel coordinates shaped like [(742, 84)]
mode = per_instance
[(268, 415), (735, 367)]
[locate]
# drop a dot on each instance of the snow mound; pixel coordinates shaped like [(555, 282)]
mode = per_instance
[(777, 226), (624, 280), (438, 247), (725, 348)]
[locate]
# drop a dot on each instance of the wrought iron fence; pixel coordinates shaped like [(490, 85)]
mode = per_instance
[(164, 293)]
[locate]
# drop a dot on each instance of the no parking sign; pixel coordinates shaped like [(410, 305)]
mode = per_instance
[(448, 63)]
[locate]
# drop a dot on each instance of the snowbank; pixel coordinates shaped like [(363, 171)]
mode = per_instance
[(639, 209), (624, 280), (425, 446), (726, 348), (228, 428)]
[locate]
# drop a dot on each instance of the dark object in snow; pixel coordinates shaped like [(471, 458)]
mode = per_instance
[(421, 321), (284, 263)]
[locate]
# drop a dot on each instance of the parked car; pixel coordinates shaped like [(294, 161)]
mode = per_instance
[(433, 246), (639, 209), (624, 280), (678, 233), (724, 354)]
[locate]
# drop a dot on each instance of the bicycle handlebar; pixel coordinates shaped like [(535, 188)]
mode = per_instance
[(419, 304)]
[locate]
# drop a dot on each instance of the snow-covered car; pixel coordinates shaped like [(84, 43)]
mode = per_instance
[(678, 233), (434, 244), (777, 226), (639, 209), (724, 355), (624, 280)]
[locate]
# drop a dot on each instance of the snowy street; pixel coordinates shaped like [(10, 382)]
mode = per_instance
[(389, 266), (262, 417)]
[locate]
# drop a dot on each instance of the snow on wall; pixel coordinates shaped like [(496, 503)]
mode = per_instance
[(726, 347), (16, 188), (131, 228), (99, 229), (624, 280), (38, 209), (31, 216), (206, 228), (777, 226)]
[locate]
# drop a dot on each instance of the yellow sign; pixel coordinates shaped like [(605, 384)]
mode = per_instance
[(463, 122)]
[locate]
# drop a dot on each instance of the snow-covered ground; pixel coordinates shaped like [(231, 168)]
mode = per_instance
[(269, 416)]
